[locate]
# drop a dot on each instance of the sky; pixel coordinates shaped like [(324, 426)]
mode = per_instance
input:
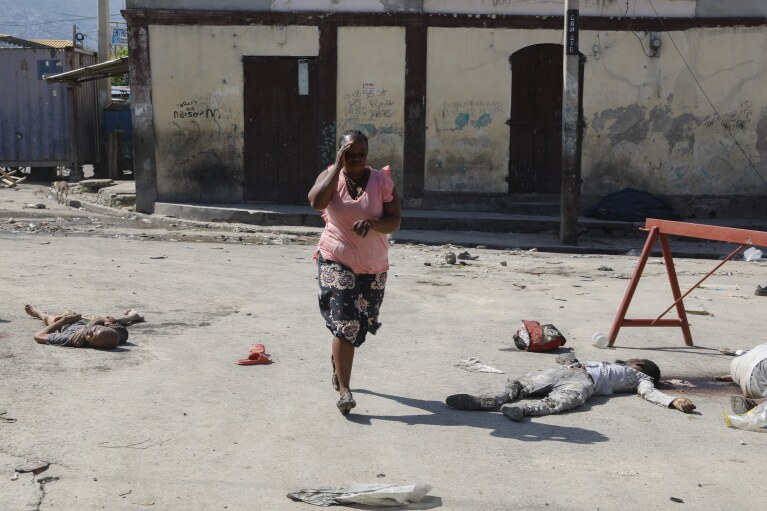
[(53, 19)]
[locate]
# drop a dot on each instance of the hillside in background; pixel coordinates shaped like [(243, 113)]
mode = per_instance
[(53, 19)]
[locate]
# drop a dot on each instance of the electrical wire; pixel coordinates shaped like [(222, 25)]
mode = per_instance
[(700, 86), (48, 22), (641, 44)]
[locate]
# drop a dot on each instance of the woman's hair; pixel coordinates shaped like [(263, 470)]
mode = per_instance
[(352, 134), (649, 367)]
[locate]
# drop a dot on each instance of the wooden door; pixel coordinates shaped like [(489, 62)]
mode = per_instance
[(535, 146), (281, 128)]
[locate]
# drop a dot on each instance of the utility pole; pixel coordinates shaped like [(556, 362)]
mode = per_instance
[(104, 85), (570, 191)]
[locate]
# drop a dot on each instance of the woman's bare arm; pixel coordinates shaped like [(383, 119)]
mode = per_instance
[(389, 221), (327, 182)]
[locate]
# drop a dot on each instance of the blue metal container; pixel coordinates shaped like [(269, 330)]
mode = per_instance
[(42, 124)]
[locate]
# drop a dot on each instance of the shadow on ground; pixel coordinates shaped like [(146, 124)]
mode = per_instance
[(440, 415)]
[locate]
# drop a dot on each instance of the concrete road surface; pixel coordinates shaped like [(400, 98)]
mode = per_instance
[(170, 422)]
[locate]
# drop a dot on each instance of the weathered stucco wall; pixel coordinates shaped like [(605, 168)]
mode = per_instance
[(371, 91), (197, 97), (650, 125), (467, 105)]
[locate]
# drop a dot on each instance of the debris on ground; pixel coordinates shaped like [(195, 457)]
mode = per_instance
[(605, 268), (33, 466), (450, 258), (752, 254), (753, 420), (679, 383), (364, 494), (467, 256), (3, 418), (697, 310), (476, 365), (728, 351), (532, 336), (760, 291)]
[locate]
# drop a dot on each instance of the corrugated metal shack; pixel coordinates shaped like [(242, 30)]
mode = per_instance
[(44, 125)]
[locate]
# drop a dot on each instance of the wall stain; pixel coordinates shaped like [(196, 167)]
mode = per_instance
[(402, 5), (761, 134), (201, 162), (628, 124), (328, 143), (681, 129)]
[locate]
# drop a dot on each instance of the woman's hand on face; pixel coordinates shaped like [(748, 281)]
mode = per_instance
[(340, 154), (362, 227)]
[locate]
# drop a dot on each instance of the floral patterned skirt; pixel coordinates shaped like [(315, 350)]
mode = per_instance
[(349, 302)]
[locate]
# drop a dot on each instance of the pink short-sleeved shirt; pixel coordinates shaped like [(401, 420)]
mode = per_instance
[(339, 242)]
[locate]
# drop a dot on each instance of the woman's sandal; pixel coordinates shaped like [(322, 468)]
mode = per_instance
[(255, 358), (334, 380), (346, 403)]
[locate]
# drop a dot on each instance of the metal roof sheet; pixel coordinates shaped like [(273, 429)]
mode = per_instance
[(94, 72), (54, 43), (9, 40), (17, 42)]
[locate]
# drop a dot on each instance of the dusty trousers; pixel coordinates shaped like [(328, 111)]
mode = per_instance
[(564, 388)]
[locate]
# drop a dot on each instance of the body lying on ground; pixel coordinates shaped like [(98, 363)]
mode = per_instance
[(71, 329), (570, 386)]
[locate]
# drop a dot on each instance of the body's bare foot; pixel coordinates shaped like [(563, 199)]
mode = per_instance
[(33, 311), (133, 316)]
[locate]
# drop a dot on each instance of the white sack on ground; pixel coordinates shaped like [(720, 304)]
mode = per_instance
[(365, 494)]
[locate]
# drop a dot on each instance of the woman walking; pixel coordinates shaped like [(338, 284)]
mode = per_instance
[(361, 207)]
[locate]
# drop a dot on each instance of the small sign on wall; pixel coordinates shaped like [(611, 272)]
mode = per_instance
[(303, 77)]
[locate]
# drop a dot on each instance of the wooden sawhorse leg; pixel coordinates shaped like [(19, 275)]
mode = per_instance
[(620, 318), (681, 321)]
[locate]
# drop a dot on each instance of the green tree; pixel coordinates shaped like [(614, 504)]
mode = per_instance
[(121, 79)]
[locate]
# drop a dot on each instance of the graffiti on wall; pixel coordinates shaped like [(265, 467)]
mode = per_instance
[(370, 109), (739, 118), (457, 115), (368, 104), (198, 108)]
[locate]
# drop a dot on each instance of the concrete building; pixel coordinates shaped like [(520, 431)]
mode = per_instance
[(238, 100)]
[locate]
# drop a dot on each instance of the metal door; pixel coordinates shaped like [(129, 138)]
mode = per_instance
[(281, 128)]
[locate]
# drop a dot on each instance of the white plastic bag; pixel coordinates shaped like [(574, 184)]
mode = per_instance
[(365, 494), (753, 420), (475, 364), (752, 254)]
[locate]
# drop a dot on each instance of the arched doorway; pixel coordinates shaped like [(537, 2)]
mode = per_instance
[(535, 144)]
